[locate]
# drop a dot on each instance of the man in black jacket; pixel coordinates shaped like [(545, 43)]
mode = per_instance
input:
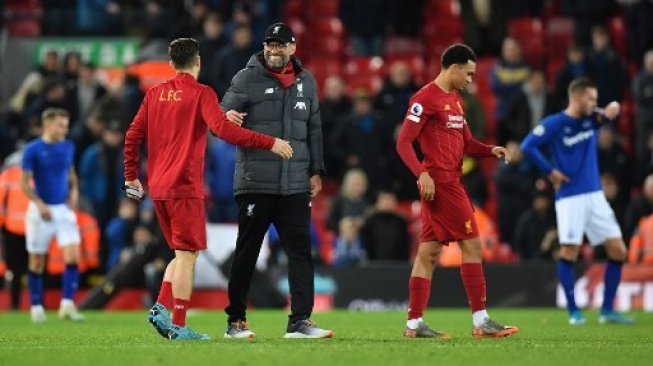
[(274, 94)]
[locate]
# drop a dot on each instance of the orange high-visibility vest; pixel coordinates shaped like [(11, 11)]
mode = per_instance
[(13, 201), (89, 249), (451, 256), (641, 244)]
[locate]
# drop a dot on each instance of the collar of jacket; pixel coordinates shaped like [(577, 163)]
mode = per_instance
[(255, 63)]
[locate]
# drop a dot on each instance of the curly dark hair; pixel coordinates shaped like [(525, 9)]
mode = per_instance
[(182, 52)]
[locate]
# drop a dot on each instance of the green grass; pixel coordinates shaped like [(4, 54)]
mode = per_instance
[(125, 338)]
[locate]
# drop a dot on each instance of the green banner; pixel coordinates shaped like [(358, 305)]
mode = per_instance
[(107, 52)]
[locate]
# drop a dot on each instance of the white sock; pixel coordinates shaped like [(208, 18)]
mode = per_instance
[(66, 302), (413, 323), (479, 317), (37, 307)]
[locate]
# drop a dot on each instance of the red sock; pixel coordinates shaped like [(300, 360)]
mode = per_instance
[(474, 281), (179, 312), (165, 295), (419, 292)]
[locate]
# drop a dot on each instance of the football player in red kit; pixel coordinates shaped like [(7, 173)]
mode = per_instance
[(436, 119), (173, 118)]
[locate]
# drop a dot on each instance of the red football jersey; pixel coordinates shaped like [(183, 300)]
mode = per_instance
[(173, 118), (437, 120)]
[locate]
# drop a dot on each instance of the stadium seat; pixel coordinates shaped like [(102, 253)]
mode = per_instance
[(321, 8), (553, 66), (364, 72), (617, 30), (442, 8), (415, 63), (559, 34), (22, 17), (443, 30), (322, 68), (402, 46), (326, 26), (325, 46), (293, 9), (528, 32)]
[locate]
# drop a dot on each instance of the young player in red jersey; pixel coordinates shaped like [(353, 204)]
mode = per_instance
[(437, 120), (173, 118)]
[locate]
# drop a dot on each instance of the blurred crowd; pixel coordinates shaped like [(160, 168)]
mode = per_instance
[(368, 210)]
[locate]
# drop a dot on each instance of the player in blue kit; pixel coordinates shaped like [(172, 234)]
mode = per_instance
[(49, 161), (581, 206)]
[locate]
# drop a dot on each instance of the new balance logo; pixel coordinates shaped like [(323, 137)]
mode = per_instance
[(300, 105), (179, 307), (269, 91)]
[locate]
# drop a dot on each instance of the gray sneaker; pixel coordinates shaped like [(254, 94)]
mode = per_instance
[(492, 329), (306, 329), (239, 330), (423, 331)]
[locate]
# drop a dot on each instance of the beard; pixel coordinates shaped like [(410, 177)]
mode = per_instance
[(276, 61)]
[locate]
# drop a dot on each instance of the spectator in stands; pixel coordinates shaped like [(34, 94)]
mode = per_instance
[(385, 232), (162, 255), (211, 42), (611, 76), (643, 93), (52, 96), (528, 106), (101, 172), (398, 178), (515, 182), (641, 245), (507, 78), (191, 26), (485, 24), (88, 134), (614, 160), (638, 208), (132, 96), (335, 107), (587, 14), (50, 66), (278, 256), (82, 94), (351, 202), (392, 99), (405, 18), (575, 67), (119, 231), (535, 229), (639, 27), (220, 168), (365, 21), (616, 199), (474, 111), (349, 250), (475, 182), (363, 139), (72, 62), (232, 59), (99, 17)]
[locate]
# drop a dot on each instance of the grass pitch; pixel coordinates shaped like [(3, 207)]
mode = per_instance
[(125, 338)]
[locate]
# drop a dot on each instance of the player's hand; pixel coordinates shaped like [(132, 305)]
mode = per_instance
[(426, 186), (236, 117), (612, 110), (316, 185), (44, 210), (557, 178), (282, 148), (501, 152), (136, 184)]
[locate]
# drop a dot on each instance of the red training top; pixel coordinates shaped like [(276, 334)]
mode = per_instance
[(437, 120), (173, 118)]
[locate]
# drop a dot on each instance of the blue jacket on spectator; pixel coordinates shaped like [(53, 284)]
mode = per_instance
[(94, 184)]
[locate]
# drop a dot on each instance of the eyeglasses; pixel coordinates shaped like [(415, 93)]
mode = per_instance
[(275, 46)]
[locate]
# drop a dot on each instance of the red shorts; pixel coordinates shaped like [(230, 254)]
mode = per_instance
[(450, 216), (183, 223)]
